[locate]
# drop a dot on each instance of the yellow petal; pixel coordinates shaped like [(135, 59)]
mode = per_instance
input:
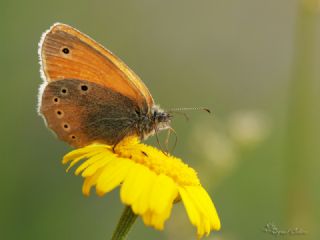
[(94, 148), (212, 212), (136, 188), (157, 220), (78, 159), (89, 182), (90, 170), (163, 192), (131, 187), (113, 175), (142, 204), (90, 161), (189, 205)]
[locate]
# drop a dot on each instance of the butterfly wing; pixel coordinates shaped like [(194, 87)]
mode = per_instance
[(66, 53), (82, 112)]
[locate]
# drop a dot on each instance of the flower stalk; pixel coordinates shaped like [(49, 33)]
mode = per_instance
[(302, 152), (125, 223)]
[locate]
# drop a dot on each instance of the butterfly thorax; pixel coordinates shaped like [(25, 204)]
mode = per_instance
[(154, 121)]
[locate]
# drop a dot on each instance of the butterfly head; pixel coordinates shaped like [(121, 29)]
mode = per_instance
[(154, 121), (160, 118)]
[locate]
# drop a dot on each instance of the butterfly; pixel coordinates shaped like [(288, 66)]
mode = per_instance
[(89, 95)]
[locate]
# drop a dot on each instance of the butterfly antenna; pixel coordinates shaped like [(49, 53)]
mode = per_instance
[(190, 109)]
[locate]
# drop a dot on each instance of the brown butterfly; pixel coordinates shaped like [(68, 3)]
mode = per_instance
[(89, 95)]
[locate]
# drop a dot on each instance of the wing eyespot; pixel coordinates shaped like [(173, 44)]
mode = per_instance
[(84, 88), (59, 113), (66, 126), (56, 100), (64, 91), (65, 50)]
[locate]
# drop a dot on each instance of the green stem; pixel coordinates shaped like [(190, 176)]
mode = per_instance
[(124, 225), (302, 141)]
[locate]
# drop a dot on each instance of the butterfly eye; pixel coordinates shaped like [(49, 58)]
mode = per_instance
[(66, 50)]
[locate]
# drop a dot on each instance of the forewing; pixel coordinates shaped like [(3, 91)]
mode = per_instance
[(67, 53)]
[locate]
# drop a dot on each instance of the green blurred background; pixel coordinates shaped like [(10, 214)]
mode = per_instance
[(254, 63)]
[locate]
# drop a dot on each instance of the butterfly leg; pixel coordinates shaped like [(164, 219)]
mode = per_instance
[(170, 129), (121, 136)]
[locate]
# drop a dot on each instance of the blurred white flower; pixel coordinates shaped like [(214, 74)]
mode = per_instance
[(214, 144), (221, 143), (248, 128)]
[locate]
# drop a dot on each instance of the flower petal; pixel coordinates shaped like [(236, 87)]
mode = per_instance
[(113, 175), (200, 209), (141, 181), (163, 192), (78, 159), (142, 202), (89, 182), (94, 148), (92, 160), (206, 201), (190, 207), (90, 170), (131, 187), (156, 220)]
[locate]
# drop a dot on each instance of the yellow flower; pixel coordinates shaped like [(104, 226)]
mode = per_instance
[(150, 182)]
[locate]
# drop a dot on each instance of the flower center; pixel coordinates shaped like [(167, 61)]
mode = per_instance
[(157, 161)]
